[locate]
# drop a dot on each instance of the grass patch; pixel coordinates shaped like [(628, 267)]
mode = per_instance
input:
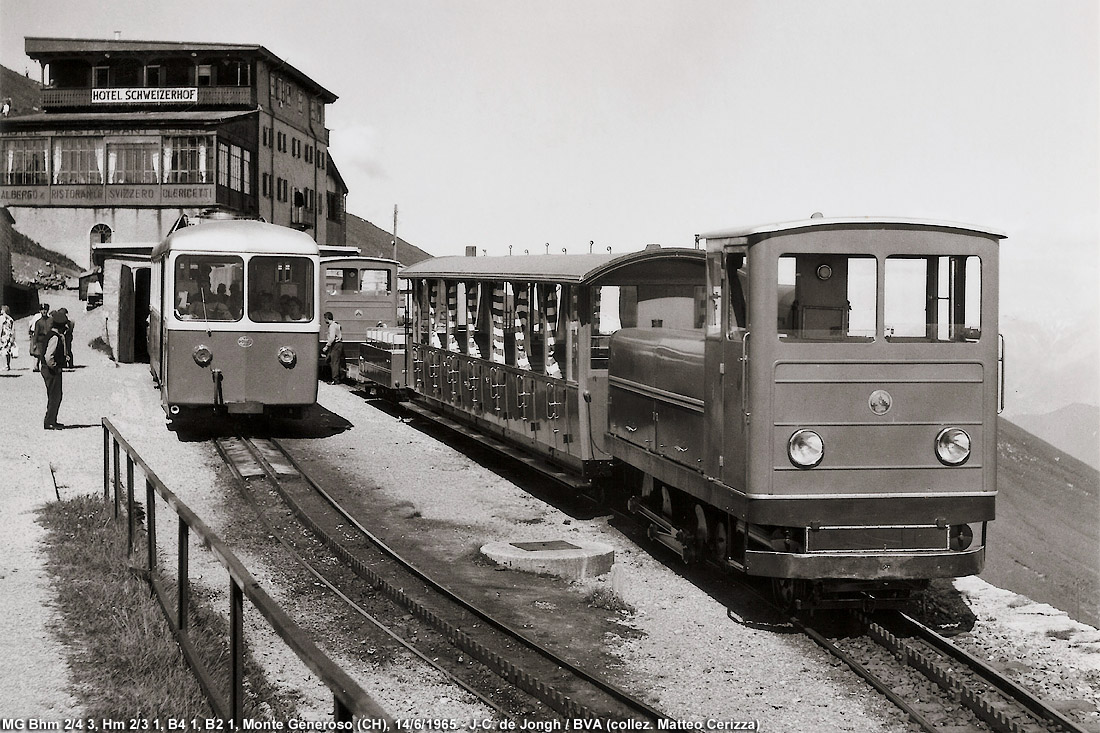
[(122, 655), (608, 599)]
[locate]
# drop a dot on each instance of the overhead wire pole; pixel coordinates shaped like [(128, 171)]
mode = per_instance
[(395, 231)]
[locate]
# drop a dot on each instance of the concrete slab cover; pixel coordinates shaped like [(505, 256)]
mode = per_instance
[(569, 560)]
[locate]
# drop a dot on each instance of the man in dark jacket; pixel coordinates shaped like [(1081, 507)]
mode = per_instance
[(39, 330), (52, 363)]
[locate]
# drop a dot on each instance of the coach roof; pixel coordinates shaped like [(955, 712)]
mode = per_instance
[(756, 233), (566, 268), (246, 236)]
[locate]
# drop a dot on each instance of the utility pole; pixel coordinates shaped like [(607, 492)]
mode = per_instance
[(395, 231)]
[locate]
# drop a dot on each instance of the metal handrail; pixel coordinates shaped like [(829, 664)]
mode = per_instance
[(350, 701)]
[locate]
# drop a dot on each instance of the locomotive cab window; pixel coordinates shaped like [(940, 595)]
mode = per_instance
[(208, 287), (933, 298), (826, 297), (280, 289)]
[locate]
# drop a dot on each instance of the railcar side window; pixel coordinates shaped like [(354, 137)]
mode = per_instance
[(933, 298), (827, 297), (280, 289), (208, 287)]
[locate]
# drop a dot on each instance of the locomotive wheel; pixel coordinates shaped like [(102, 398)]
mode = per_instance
[(787, 592), (721, 543), (702, 528)]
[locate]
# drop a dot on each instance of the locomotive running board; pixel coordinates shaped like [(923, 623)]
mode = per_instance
[(544, 468)]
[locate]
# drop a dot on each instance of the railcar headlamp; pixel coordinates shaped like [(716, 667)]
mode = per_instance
[(202, 355), (805, 449), (960, 536), (287, 357), (952, 446)]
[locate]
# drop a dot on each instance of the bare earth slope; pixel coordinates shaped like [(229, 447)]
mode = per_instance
[(1045, 542)]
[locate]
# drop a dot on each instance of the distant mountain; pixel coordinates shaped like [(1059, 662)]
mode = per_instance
[(23, 94), (374, 241), (1074, 429), (1051, 364)]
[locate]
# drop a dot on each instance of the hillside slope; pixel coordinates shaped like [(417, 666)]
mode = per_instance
[(1045, 542), (1073, 428), (374, 241)]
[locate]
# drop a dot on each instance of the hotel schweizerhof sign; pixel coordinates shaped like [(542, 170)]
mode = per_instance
[(144, 95)]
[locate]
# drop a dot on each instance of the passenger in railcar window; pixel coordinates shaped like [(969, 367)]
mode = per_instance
[(265, 311), (294, 311), (234, 301)]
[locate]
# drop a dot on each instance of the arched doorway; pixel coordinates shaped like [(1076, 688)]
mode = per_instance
[(100, 234)]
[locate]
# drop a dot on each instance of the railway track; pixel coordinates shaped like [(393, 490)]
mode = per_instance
[(935, 682), (538, 682)]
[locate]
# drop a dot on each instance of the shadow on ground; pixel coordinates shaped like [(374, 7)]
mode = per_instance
[(317, 422)]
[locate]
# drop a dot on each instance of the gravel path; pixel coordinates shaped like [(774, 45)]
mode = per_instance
[(679, 644)]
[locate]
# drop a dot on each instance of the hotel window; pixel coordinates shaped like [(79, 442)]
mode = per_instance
[(133, 162), (234, 73), (246, 172), (187, 159), (295, 147), (24, 162), (203, 75), (223, 164), (235, 162), (265, 185), (101, 77), (152, 76), (309, 153), (78, 160)]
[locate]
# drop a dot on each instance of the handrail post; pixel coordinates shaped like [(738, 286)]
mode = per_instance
[(106, 462), (115, 474), (129, 505), (183, 593), (151, 525), (236, 651)]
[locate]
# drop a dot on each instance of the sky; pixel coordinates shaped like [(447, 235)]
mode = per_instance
[(548, 125)]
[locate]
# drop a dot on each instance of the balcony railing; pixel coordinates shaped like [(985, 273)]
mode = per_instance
[(207, 97)]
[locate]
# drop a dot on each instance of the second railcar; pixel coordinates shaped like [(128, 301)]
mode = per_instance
[(234, 318), (362, 294)]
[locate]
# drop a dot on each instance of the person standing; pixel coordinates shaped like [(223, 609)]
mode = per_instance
[(40, 328), (68, 339), (334, 348), (7, 334), (52, 364)]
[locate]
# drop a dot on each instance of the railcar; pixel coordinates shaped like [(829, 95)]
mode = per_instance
[(812, 402), (234, 319), (362, 294)]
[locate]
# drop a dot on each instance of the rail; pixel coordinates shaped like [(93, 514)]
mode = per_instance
[(350, 701)]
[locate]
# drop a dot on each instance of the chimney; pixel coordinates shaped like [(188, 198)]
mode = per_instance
[(118, 35), (471, 250)]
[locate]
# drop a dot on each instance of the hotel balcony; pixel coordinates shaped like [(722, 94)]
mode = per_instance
[(61, 99)]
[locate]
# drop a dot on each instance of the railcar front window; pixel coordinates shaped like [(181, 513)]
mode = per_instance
[(826, 297), (208, 287), (280, 289), (933, 298), (355, 281)]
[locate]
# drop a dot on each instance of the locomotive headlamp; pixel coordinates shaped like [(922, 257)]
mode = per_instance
[(824, 272), (202, 355), (805, 449), (287, 357), (953, 446), (960, 535)]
